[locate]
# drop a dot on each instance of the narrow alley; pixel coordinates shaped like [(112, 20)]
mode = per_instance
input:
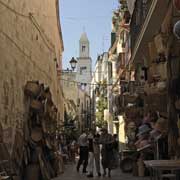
[(71, 174), (98, 80)]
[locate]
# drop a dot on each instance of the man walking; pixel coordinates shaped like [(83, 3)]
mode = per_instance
[(83, 154)]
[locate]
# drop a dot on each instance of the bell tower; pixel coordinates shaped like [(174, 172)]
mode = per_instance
[(84, 63), (84, 46)]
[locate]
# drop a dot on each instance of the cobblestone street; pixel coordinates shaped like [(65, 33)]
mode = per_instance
[(71, 174)]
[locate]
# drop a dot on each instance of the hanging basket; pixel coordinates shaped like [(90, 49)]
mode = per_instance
[(161, 125), (162, 70), (161, 86), (32, 171), (47, 94), (150, 89), (155, 88), (36, 134), (160, 42), (130, 98), (32, 88), (36, 106), (152, 51)]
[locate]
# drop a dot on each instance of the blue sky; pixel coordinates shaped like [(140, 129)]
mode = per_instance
[(92, 15)]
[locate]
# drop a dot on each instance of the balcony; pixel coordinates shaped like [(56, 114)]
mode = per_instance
[(138, 18), (145, 23)]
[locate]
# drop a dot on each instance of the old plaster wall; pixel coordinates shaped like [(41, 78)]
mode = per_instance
[(30, 48)]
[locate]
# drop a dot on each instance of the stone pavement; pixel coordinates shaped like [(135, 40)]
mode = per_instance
[(71, 174)]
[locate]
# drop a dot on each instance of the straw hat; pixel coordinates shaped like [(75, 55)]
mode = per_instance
[(144, 143), (143, 129), (155, 134), (161, 125), (131, 125)]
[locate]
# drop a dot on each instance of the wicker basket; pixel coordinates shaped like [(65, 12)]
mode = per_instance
[(162, 70), (130, 98), (152, 51), (32, 88), (150, 89), (32, 171), (36, 134), (161, 86), (161, 125), (158, 87), (160, 44), (36, 105)]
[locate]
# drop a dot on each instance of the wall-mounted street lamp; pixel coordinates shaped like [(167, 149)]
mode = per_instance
[(73, 63)]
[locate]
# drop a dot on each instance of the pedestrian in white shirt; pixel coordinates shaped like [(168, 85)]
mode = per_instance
[(91, 153), (83, 152)]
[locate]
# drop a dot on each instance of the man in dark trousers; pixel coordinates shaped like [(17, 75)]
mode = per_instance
[(83, 155)]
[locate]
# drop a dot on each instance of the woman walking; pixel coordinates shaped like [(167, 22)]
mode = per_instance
[(97, 154), (107, 154)]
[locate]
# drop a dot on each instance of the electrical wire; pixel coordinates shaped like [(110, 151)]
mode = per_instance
[(44, 37), (87, 72), (92, 84), (35, 23), (42, 34)]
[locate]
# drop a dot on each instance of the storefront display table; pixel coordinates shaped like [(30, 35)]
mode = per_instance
[(156, 167)]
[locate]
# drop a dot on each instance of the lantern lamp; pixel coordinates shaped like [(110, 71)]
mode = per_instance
[(73, 63)]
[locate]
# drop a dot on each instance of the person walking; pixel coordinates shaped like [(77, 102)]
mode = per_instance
[(73, 151), (83, 152), (116, 150), (97, 153), (106, 140), (91, 153)]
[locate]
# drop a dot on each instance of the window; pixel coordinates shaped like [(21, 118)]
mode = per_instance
[(83, 48), (82, 69)]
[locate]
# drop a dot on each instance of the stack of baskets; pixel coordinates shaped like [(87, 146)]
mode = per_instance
[(41, 126)]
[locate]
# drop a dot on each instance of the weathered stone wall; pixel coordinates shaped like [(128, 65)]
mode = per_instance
[(70, 87), (29, 45)]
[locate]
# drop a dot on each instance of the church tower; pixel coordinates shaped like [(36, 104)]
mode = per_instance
[(84, 63)]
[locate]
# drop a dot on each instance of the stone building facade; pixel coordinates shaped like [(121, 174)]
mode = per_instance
[(31, 48), (77, 100)]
